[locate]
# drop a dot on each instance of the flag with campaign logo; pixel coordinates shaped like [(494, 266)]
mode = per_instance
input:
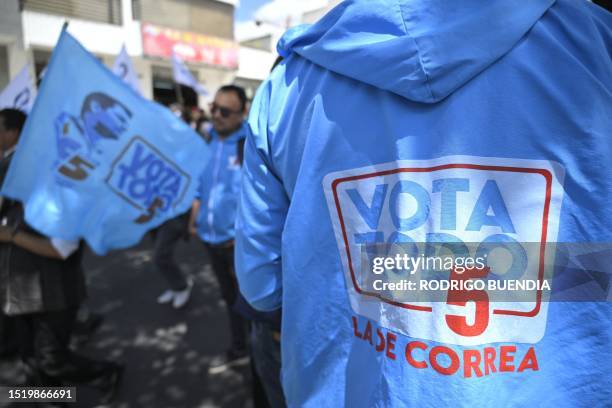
[(20, 92), (181, 75), (124, 69), (97, 161)]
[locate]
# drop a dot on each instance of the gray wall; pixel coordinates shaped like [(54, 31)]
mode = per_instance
[(13, 56), (4, 74), (102, 11), (10, 19), (201, 16)]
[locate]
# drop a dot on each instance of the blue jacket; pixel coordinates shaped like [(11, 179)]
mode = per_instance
[(419, 120), (220, 188)]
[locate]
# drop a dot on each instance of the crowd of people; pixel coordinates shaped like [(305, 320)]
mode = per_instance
[(43, 282), (386, 122)]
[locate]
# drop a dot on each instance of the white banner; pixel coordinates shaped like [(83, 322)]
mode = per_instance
[(124, 69), (20, 92)]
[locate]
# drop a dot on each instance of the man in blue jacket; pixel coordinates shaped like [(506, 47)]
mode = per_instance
[(420, 121), (214, 212)]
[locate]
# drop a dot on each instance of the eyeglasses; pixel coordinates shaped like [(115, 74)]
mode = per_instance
[(224, 112)]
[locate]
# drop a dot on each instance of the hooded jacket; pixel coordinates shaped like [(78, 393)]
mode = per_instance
[(418, 121), (219, 188)]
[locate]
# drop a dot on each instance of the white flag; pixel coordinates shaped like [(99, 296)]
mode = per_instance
[(20, 92), (124, 69), (181, 75)]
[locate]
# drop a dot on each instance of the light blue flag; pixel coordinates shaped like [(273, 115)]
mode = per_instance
[(181, 75), (98, 161)]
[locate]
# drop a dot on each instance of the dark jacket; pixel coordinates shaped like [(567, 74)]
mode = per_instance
[(30, 283)]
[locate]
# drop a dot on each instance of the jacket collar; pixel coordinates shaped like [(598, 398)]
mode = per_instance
[(239, 134)]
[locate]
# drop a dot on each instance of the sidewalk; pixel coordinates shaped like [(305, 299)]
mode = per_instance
[(166, 351)]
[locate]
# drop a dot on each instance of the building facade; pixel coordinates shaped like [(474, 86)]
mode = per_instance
[(12, 54), (258, 37), (200, 31)]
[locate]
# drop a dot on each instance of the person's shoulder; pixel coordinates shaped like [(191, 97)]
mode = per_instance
[(593, 9), (271, 100), (583, 31), (586, 13)]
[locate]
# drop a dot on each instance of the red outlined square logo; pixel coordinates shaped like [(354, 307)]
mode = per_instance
[(544, 228), (532, 191)]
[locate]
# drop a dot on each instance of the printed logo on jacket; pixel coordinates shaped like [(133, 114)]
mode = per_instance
[(450, 199)]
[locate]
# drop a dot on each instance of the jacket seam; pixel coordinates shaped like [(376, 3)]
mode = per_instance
[(416, 45)]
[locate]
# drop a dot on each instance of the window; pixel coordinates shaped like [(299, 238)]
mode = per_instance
[(102, 11), (200, 16)]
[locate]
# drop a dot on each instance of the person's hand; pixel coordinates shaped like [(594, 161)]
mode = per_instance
[(5, 233), (193, 230)]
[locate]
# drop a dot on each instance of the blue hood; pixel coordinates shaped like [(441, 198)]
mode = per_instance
[(423, 122), (417, 51)]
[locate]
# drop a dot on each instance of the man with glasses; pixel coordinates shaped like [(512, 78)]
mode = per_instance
[(214, 212)]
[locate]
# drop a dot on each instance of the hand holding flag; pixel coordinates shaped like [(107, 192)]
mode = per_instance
[(96, 161)]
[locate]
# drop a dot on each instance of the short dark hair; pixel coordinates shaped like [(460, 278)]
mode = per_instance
[(14, 119), (239, 91)]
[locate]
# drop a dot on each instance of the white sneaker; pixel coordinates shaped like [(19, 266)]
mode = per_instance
[(166, 297), (182, 297), (228, 360)]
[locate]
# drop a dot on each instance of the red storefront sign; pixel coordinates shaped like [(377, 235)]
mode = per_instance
[(191, 47)]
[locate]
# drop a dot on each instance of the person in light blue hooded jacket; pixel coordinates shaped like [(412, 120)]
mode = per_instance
[(413, 121), (213, 214)]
